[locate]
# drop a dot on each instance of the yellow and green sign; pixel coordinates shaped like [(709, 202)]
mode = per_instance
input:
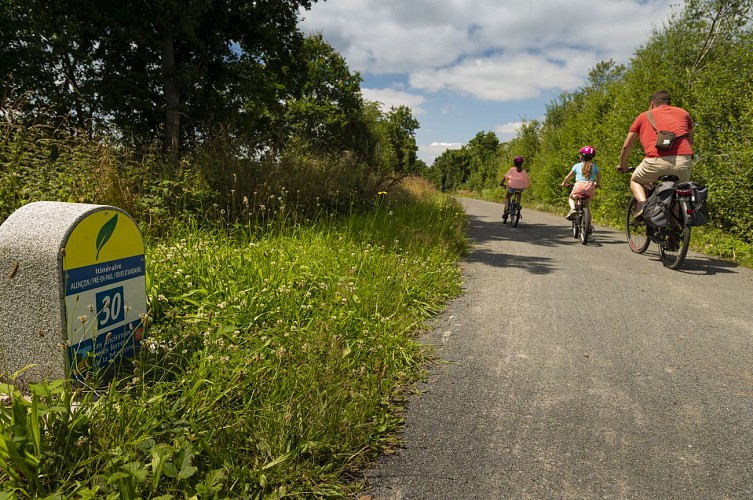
[(105, 291)]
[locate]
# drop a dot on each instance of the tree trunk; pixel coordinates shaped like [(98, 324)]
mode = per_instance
[(172, 100)]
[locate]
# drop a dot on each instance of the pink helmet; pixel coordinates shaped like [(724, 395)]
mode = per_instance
[(587, 151)]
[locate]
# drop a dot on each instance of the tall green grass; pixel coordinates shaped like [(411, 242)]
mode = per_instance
[(276, 357)]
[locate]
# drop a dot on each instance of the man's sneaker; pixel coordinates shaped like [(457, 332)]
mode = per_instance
[(638, 214), (571, 215)]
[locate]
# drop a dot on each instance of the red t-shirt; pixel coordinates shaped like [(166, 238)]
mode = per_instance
[(669, 118)]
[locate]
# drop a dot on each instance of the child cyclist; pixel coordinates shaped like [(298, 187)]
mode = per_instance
[(517, 180), (587, 178)]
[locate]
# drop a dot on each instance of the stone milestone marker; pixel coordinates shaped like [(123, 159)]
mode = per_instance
[(72, 290)]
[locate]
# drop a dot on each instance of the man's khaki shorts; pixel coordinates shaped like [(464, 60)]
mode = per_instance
[(650, 169)]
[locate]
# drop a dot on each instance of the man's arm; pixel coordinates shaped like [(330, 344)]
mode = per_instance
[(630, 141)]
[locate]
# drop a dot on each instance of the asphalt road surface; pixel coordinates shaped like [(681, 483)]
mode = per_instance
[(571, 371)]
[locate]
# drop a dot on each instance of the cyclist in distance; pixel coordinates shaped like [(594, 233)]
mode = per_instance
[(676, 160), (587, 179), (516, 179)]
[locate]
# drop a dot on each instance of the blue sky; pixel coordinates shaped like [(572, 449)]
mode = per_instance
[(466, 66)]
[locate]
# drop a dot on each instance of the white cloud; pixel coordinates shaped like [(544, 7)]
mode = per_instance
[(391, 97), (507, 131), (486, 48), (429, 152), (507, 77)]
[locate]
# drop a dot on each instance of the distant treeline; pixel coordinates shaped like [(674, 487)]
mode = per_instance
[(702, 55)]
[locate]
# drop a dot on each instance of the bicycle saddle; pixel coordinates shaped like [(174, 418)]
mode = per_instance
[(672, 178)]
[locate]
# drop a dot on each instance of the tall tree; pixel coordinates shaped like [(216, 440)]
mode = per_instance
[(402, 128), (483, 152), (451, 169), (152, 67), (327, 113)]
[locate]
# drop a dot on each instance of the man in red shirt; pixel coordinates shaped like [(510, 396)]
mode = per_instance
[(677, 160)]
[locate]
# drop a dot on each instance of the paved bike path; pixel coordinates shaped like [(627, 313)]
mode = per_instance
[(571, 371)]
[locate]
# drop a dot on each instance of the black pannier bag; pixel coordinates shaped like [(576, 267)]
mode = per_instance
[(700, 215), (656, 213)]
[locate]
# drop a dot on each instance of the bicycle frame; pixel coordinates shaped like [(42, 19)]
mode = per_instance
[(674, 238), (513, 210), (582, 221), (516, 196)]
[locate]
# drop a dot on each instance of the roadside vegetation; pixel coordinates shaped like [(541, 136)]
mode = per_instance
[(293, 252), (702, 55), (278, 353)]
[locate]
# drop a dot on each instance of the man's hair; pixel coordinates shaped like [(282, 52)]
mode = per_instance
[(661, 97)]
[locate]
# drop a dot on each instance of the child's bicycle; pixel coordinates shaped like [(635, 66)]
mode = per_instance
[(514, 209), (582, 227)]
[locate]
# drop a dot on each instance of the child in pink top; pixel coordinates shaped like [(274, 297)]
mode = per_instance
[(517, 181)]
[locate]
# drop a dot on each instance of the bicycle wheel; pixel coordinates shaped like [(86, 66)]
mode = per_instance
[(673, 247), (515, 215), (576, 226), (585, 224), (637, 234)]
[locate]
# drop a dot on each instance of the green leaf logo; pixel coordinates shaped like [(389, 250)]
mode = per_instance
[(105, 233)]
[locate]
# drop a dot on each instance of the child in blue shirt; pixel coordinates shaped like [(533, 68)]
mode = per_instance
[(587, 179)]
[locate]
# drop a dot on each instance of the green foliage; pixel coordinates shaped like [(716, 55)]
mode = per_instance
[(328, 114), (474, 166), (214, 179), (41, 436), (483, 155), (273, 366), (169, 108), (712, 241), (451, 170), (165, 76), (401, 130), (148, 68)]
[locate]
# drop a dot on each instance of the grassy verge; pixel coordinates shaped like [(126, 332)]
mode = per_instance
[(275, 361)]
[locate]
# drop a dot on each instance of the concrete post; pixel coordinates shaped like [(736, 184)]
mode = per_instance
[(72, 290)]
